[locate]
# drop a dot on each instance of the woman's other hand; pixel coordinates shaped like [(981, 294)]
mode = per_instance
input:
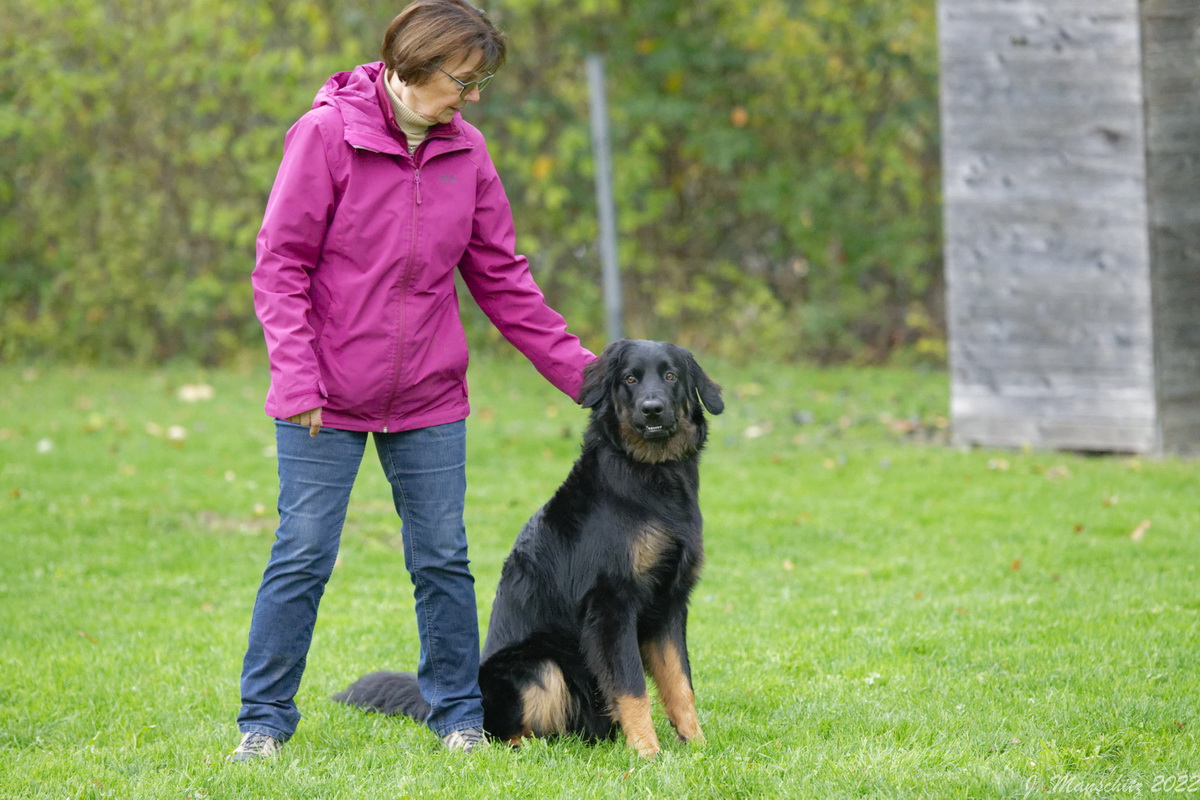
[(310, 418)]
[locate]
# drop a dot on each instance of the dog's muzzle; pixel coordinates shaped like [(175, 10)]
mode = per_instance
[(654, 420)]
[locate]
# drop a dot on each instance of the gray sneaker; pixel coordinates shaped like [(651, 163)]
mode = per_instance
[(467, 740), (255, 746)]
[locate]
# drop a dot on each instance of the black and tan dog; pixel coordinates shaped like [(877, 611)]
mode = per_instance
[(595, 591)]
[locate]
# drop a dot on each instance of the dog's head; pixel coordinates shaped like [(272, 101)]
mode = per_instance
[(647, 397)]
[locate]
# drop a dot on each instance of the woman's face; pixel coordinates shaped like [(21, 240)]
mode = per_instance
[(441, 96)]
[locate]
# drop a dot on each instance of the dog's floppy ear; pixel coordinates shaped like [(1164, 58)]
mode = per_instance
[(599, 375), (704, 386)]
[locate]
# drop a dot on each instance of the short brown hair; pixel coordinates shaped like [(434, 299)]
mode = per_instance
[(429, 33)]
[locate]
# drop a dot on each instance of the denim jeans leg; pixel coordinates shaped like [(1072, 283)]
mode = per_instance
[(427, 470), (316, 475)]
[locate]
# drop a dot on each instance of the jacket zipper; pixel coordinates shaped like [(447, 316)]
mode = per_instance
[(405, 278)]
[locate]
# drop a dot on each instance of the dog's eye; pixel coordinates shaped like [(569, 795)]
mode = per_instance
[(631, 380), (670, 376)]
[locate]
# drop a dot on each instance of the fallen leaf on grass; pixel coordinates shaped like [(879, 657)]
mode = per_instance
[(1016, 564), (195, 392), (758, 431), (1139, 532)]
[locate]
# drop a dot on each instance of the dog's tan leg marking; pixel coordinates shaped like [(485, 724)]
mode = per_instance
[(546, 705), (648, 547), (633, 714), (674, 689)]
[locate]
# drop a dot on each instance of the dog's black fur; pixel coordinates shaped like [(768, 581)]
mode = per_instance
[(595, 591)]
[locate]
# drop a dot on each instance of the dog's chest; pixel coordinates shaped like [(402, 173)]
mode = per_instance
[(649, 547), (657, 552)]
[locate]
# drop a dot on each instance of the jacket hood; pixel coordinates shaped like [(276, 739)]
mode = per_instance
[(360, 98)]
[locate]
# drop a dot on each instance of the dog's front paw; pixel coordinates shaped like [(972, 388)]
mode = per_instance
[(646, 750)]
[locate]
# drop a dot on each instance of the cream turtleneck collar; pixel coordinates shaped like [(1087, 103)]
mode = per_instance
[(414, 125)]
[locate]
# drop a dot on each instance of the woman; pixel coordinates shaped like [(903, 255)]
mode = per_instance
[(383, 190)]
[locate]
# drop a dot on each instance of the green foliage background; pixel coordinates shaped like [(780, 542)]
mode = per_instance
[(776, 168)]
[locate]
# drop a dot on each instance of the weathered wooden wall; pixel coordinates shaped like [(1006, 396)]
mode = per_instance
[(1171, 70), (1072, 199)]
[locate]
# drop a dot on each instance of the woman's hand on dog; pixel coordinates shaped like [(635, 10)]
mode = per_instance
[(310, 418)]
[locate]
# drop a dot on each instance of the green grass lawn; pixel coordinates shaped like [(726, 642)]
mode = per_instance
[(881, 614)]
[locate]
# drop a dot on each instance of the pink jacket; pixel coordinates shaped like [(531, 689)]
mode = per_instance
[(354, 278)]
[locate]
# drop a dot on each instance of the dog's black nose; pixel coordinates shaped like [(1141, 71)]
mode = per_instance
[(652, 408)]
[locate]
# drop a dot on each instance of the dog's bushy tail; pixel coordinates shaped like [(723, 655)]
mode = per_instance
[(388, 693)]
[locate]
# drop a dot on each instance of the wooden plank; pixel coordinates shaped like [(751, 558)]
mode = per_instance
[(1093, 182), (1174, 131), (1075, 396), (971, 363), (1064, 213), (1073, 267), (1179, 245), (1171, 34), (1181, 438), (1019, 432), (1085, 129)]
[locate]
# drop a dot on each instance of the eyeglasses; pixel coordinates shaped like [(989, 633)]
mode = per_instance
[(480, 84)]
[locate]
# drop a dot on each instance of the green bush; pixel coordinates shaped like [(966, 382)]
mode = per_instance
[(776, 168)]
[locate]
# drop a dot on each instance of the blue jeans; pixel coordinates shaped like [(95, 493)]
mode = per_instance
[(427, 471)]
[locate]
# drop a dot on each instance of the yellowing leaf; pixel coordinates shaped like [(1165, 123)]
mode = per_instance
[(543, 165)]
